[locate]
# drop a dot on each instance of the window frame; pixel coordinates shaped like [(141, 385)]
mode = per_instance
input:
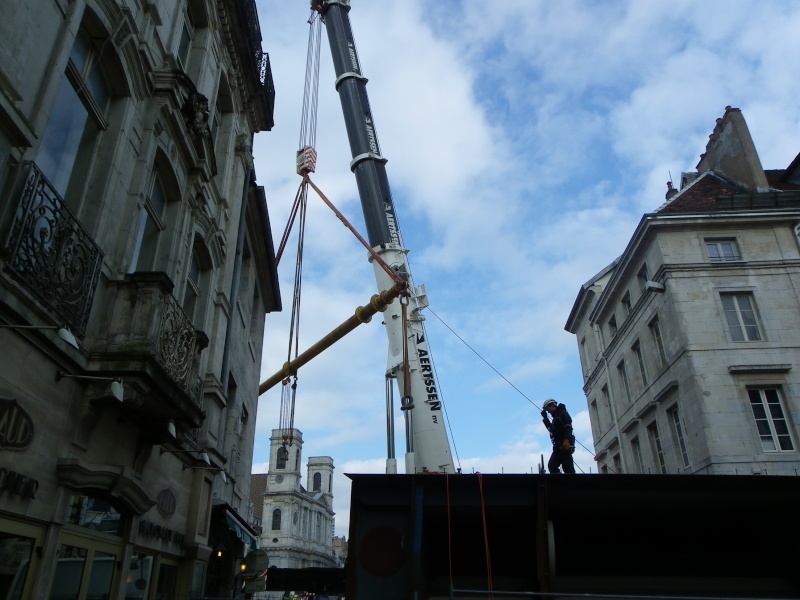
[(636, 348), (188, 30), (612, 325), (656, 446), (636, 449), (774, 435), (654, 325), (626, 303), (741, 328), (677, 430), (642, 276), (721, 256), (622, 371)]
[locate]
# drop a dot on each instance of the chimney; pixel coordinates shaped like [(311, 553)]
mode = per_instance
[(730, 152), (671, 191)]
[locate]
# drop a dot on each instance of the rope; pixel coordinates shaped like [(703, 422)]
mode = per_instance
[(504, 378), (449, 530), (289, 397), (375, 256), (308, 122), (298, 199), (486, 539)]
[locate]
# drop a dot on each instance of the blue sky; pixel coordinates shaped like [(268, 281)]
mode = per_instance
[(525, 141)]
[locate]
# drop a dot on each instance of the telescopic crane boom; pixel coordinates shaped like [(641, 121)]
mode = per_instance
[(428, 448)]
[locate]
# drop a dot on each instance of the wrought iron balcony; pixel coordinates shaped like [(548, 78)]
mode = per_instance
[(255, 59), (50, 254)]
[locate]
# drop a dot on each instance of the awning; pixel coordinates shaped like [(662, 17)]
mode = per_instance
[(235, 526)]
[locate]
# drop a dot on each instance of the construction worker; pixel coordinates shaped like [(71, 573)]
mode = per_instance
[(560, 434)]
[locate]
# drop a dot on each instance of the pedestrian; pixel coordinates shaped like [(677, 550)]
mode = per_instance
[(561, 435)]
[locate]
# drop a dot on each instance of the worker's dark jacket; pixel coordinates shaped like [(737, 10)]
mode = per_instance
[(561, 427)]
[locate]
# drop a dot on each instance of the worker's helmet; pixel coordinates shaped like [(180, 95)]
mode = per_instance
[(548, 402)]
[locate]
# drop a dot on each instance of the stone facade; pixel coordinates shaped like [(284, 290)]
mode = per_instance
[(297, 522), (136, 270), (689, 341)]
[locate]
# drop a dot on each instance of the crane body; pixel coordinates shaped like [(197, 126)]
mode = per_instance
[(427, 444)]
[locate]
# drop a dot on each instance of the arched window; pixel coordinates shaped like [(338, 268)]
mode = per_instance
[(197, 276), (282, 458), (297, 460), (152, 247), (78, 116), (276, 519), (317, 482)]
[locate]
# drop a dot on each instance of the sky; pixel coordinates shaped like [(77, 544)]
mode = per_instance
[(525, 140)]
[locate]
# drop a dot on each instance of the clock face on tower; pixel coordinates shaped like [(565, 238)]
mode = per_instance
[(278, 478)]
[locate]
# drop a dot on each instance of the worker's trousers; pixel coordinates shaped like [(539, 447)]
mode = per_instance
[(560, 458)]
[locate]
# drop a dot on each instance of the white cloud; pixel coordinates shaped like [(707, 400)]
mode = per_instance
[(525, 141)]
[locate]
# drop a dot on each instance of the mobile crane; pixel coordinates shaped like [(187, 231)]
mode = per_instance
[(427, 445)]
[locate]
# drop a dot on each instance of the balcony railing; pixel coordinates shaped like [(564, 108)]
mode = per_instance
[(149, 334), (51, 255), (258, 59)]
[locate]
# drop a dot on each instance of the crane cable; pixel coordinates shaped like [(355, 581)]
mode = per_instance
[(308, 137), (492, 367)]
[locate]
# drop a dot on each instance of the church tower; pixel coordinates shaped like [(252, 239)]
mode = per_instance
[(320, 477), (285, 456)]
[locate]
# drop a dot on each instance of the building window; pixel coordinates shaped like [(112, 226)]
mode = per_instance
[(623, 377), (283, 458), (722, 250), (677, 431), (770, 421), (197, 276), (276, 519), (185, 43), (643, 277), (78, 117), (151, 224), (626, 303), (617, 463), (655, 331), (612, 326), (595, 420), (655, 442), (636, 447), (741, 316), (637, 350), (604, 406), (584, 355), (317, 482)]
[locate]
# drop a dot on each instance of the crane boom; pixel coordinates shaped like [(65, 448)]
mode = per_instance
[(428, 448)]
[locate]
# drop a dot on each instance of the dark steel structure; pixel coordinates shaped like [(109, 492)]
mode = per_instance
[(604, 535)]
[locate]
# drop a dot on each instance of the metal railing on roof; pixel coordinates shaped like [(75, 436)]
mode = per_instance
[(761, 200)]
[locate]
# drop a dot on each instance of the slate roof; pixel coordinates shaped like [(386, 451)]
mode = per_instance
[(700, 195)]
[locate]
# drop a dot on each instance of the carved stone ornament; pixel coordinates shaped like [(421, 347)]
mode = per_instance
[(195, 114)]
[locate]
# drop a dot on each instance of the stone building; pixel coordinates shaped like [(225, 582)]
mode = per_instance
[(689, 341), (136, 269), (297, 523)]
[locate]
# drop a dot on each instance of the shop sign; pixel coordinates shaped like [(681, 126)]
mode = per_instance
[(16, 426), (18, 484), (150, 529)]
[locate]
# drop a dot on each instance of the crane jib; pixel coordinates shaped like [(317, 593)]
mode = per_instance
[(368, 165)]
